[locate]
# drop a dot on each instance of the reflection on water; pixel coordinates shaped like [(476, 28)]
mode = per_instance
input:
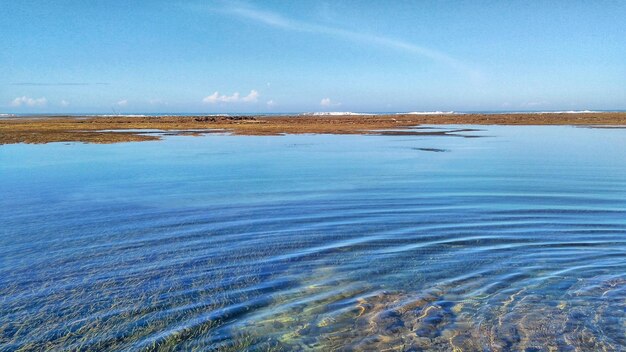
[(512, 242)]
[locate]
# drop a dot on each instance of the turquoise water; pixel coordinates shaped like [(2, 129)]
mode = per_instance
[(514, 240)]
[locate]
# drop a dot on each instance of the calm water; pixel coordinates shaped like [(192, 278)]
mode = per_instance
[(513, 241)]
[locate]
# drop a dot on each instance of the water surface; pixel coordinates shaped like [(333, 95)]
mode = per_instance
[(513, 241)]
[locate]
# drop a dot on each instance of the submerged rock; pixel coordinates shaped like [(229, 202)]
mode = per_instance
[(437, 319)]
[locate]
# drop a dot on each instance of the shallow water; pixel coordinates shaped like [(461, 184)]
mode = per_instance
[(514, 241)]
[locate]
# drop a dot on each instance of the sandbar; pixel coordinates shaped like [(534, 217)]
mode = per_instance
[(114, 129)]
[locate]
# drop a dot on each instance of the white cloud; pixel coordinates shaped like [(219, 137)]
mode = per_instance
[(271, 103), (215, 98), (326, 102), (276, 20), (64, 103), (531, 104), (122, 103), (156, 102), (24, 100), (252, 97)]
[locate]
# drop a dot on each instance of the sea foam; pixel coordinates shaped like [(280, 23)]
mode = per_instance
[(429, 113), (336, 113), (569, 112)]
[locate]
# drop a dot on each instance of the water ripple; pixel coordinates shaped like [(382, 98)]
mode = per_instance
[(360, 250)]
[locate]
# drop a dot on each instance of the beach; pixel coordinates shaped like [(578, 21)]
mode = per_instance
[(114, 129)]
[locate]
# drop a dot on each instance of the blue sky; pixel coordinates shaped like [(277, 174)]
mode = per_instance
[(292, 56)]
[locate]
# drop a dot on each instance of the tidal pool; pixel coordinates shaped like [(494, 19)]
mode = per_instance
[(512, 240)]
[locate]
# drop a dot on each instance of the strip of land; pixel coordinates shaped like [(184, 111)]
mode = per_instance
[(128, 128)]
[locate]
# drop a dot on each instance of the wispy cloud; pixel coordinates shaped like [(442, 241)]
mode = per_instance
[(327, 102), (271, 103), (27, 101), (44, 84), (64, 103), (216, 97), (122, 102), (276, 20), (157, 102)]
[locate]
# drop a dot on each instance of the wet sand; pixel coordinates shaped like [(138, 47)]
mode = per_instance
[(124, 128)]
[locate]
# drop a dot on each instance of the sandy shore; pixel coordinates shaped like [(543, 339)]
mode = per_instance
[(116, 129)]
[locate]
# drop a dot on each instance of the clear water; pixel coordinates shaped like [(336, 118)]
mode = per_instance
[(514, 241)]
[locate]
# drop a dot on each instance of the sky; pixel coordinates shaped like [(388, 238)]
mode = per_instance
[(110, 56)]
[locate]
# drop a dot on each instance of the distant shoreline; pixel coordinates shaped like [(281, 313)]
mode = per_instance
[(316, 113), (114, 129)]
